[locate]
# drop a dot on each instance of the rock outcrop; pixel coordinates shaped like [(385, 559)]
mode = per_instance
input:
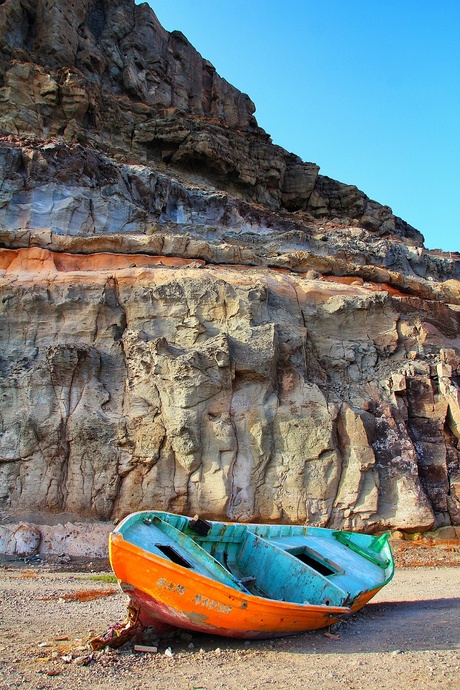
[(246, 392), (105, 74), (194, 319)]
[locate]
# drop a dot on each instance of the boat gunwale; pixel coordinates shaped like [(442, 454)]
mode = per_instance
[(314, 530)]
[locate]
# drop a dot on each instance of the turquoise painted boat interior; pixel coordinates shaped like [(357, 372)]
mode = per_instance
[(291, 563)]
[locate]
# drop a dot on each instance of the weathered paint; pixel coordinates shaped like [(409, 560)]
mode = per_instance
[(163, 582), (211, 604)]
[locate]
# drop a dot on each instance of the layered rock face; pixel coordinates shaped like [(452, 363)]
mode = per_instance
[(194, 319)]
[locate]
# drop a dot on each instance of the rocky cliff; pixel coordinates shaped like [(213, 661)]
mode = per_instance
[(193, 318)]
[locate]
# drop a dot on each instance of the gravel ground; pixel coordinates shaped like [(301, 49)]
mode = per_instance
[(408, 636)]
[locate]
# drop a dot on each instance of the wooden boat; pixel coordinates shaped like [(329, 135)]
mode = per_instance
[(244, 580)]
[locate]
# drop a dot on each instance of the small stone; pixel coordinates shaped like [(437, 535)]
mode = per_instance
[(27, 540), (83, 660), (145, 648)]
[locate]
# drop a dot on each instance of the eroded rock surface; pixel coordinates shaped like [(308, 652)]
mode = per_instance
[(194, 319), (242, 392)]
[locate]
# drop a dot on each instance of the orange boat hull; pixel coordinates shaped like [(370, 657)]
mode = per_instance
[(167, 595)]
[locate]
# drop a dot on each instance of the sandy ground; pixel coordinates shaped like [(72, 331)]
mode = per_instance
[(408, 636)]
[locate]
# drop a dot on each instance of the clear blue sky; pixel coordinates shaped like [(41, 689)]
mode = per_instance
[(367, 89)]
